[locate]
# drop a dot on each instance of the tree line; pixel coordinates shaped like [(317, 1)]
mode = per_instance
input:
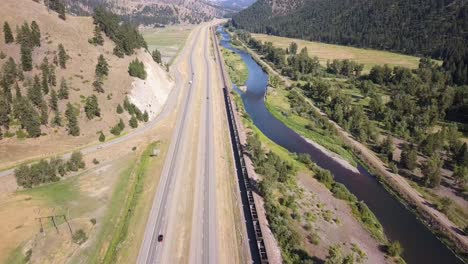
[(46, 171), (423, 28)]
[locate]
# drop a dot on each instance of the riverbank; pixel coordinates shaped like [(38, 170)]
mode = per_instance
[(395, 184), (319, 219), (237, 69), (436, 221)]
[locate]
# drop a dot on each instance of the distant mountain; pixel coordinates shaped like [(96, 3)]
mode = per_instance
[(234, 4), (432, 28), (155, 12)]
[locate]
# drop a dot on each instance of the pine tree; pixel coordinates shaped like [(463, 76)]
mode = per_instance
[(119, 109), (145, 116), (24, 36), (97, 84), (8, 34), (102, 137), (97, 39), (18, 91), (20, 73), (57, 120), (102, 67), (133, 122), (71, 115), (121, 124), (5, 110), (29, 118), (10, 71), (431, 171), (35, 92), (409, 157), (92, 107), (156, 56), (35, 34), (45, 83), (53, 102), (26, 57), (62, 57), (44, 113), (63, 91), (52, 77)]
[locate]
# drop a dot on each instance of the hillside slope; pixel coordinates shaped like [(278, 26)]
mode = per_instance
[(79, 75), (153, 12), (430, 28)]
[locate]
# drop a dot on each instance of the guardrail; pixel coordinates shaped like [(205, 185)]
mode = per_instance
[(250, 210)]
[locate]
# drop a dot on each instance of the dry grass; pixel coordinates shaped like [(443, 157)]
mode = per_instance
[(169, 40), (329, 52), (73, 34)]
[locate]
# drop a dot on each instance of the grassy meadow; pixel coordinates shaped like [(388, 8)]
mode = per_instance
[(325, 52)]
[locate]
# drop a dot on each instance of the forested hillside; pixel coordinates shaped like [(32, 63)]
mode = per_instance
[(436, 28)]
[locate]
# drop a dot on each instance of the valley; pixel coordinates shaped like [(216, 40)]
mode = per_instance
[(233, 131)]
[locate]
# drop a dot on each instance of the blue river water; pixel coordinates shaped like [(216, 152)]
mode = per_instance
[(420, 245)]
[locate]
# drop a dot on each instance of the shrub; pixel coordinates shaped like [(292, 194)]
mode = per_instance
[(136, 68), (341, 192), (395, 249), (79, 237), (325, 177)]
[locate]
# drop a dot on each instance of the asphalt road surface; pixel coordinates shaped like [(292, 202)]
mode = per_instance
[(190, 161)]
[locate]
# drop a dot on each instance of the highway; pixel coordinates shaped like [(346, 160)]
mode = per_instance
[(184, 206)]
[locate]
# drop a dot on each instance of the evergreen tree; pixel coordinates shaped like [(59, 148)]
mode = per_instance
[(92, 107), (409, 157), (63, 91), (460, 175), (5, 110), (17, 91), (387, 148), (28, 117), (8, 34), (35, 92), (119, 109), (57, 120), (26, 57), (121, 124), (156, 54), (97, 39), (102, 68), (431, 171), (52, 77), (44, 113), (133, 122), (10, 72), (102, 137), (35, 34), (53, 102), (293, 48), (136, 68), (97, 84), (71, 115), (62, 57), (45, 83), (145, 116), (24, 36)]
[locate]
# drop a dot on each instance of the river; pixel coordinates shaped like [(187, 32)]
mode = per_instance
[(420, 245)]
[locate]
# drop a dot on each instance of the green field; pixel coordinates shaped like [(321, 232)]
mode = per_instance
[(237, 68), (168, 40), (325, 52)]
